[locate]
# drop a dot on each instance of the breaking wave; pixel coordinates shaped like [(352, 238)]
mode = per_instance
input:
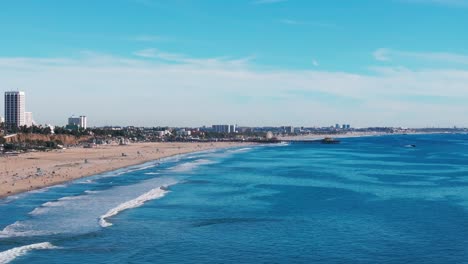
[(137, 202), (239, 150), (86, 212), (188, 166), (11, 254)]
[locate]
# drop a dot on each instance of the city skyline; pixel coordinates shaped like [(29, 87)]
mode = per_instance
[(252, 63)]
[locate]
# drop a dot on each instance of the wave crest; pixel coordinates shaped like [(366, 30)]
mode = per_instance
[(137, 202), (11, 254)]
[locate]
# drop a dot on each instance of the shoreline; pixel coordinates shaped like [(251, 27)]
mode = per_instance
[(37, 170), (20, 174), (349, 135)]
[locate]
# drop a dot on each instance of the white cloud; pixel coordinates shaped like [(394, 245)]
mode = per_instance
[(384, 54), (146, 53), (315, 63), (174, 89), (381, 55), (220, 62), (437, 56)]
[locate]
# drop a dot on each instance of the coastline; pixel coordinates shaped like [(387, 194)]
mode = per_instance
[(37, 170), (346, 135)]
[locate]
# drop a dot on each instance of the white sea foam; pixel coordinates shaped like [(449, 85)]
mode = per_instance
[(77, 214), (45, 189), (46, 206), (120, 172), (137, 202), (239, 150), (152, 173), (86, 182), (141, 168), (12, 254), (280, 144), (14, 230), (38, 211), (91, 192), (188, 166), (59, 202)]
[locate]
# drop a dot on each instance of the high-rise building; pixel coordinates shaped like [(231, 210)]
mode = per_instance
[(28, 119), (15, 104), (84, 122), (79, 122), (288, 129), (222, 128), (233, 128)]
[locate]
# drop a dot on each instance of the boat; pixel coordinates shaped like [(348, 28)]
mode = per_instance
[(329, 140)]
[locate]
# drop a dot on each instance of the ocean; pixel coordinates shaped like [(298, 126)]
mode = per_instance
[(366, 200)]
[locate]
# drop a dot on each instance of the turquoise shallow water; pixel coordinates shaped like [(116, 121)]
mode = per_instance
[(367, 200)]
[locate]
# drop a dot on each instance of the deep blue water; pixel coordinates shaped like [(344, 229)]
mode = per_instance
[(367, 200)]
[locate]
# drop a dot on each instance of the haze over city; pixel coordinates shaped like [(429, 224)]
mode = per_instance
[(249, 62)]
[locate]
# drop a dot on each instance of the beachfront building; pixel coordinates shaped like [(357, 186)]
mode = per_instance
[(77, 122), (287, 129), (183, 133), (28, 119), (233, 128), (222, 128), (15, 104)]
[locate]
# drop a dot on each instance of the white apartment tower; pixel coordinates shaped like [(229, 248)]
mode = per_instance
[(15, 104), (80, 122), (83, 122), (28, 119)]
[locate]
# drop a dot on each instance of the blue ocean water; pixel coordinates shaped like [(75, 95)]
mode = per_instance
[(367, 200)]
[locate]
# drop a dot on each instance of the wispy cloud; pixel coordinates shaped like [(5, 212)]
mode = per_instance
[(158, 80), (381, 54), (261, 2), (147, 53), (384, 54), (178, 58), (315, 62)]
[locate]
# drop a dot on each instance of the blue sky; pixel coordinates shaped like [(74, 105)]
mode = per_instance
[(250, 62)]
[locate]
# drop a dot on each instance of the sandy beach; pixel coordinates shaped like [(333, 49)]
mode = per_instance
[(36, 170)]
